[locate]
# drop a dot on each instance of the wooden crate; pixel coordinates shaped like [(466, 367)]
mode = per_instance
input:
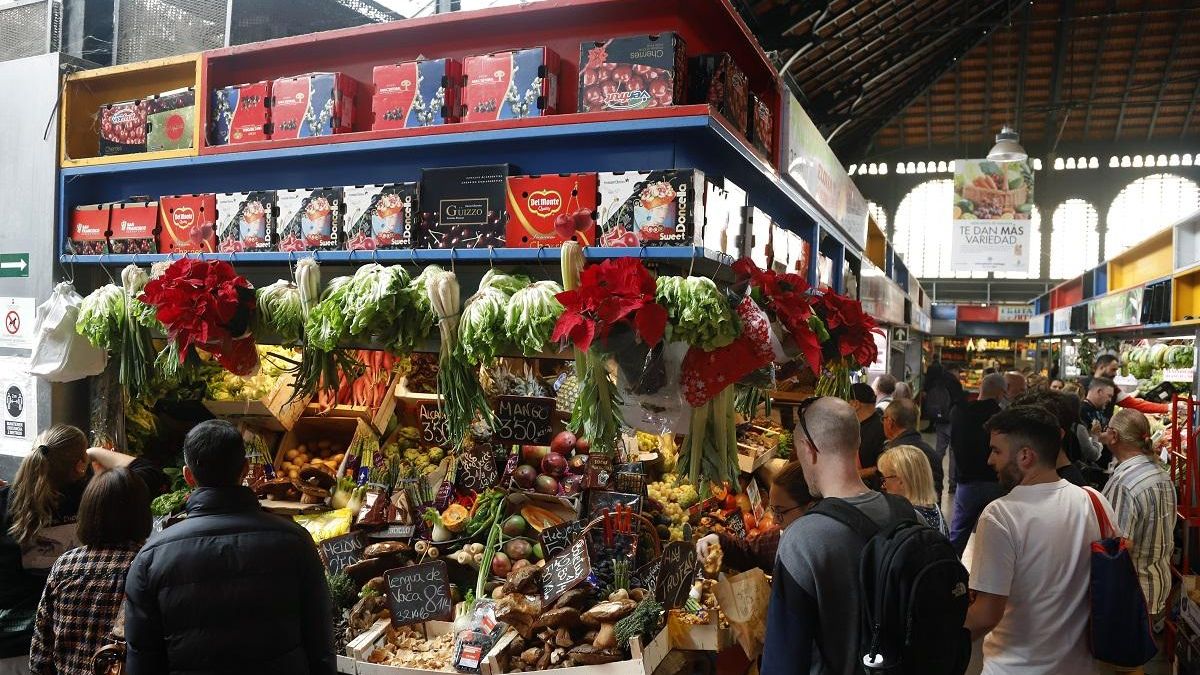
[(644, 659), (361, 648), (85, 91), (274, 411), (378, 418), (342, 431), (707, 637)]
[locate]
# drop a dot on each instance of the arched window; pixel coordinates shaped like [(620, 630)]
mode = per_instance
[(879, 215), (1034, 271), (1145, 206), (1074, 240), (922, 231)]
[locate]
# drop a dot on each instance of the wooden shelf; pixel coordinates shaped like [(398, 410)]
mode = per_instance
[(1153, 258), (85, 91), (1185, 298)]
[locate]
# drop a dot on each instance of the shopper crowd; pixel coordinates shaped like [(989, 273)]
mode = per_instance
[(1034, 471)]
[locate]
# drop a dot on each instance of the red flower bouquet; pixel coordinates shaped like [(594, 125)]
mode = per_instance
[(786, 298), (611, 294), (205, 304)]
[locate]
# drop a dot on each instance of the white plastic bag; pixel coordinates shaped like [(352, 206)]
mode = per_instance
[(59, 353)]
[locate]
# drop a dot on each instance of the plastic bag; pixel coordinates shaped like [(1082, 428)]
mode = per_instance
[(60, 354), (661, 408), (326, 525)]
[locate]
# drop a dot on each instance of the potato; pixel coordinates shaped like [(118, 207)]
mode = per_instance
[(302, 449), (293, 474), (339, 457), (291, 454), (332, 464), (288, 466)]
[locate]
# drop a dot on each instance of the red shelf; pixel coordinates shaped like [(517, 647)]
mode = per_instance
[(561, 25)]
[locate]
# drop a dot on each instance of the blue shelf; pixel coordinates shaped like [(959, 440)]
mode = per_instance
[(419, 256)]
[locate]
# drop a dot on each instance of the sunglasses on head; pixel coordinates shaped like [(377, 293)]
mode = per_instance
[(800, 411)]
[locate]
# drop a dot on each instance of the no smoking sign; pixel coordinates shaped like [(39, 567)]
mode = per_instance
[(17, 331), (12, 322)]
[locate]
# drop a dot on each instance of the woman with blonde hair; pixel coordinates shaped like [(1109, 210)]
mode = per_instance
[(38, 514), (906, 472)]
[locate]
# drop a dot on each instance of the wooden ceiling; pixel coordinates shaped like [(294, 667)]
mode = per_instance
[(880, 76)]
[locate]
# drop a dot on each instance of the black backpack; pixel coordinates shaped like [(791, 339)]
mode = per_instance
[(914, 593), (938, 404)]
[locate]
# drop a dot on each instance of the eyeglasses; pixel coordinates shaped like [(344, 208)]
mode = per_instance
[(800, 410), (779, 513)]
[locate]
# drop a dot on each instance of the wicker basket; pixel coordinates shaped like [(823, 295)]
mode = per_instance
[(1006, 198)]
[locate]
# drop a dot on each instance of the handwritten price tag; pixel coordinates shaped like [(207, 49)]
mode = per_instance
[(565, 571), (524, 420), (342, 552), (477, 468), (676, 572), (419, 593), (432, 424)]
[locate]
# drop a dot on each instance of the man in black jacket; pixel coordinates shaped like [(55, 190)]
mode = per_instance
[(900, 427), (231, 589), (970, 446)]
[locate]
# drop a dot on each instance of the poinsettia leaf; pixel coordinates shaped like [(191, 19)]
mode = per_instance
[(651, 323)]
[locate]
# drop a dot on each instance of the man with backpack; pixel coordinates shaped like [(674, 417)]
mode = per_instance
[(1030, 556), (822, 618), (943, 392)]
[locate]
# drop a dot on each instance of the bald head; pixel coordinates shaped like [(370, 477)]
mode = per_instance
[(833, 426), (993, 386), (1015, 384)]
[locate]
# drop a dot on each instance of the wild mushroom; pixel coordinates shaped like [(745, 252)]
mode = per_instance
[(277, 489), (575, 597), (311, 494), (527, 580), (608, 613), (314, 477), (518, 612), (563, 620), (385, 548), (590, 655)]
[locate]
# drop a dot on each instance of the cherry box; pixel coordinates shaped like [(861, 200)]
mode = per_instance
[(510, 85), (246, 221), (655, 208), (309, 219), (316, 104), (132, 227), (716, 80), (760, 130), (187, 224), (463, 207), (416, 93), (380, 216), (631, 73), (241, 113), (551, 209), (122, 128), (89, 229), (170, 120)]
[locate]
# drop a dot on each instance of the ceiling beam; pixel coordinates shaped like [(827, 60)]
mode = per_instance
[(1162, 88), (957, 99), (1104, 29), (1187, 120), (929, 117), (987, 85), (1137, 48), (1061, 40), (784, 14), (835, 69), (1022, 66)]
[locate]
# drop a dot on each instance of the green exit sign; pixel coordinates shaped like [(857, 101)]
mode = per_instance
[(14, 264)]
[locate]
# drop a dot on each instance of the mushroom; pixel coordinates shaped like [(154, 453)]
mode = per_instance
[(530, 656), (575, 597), (518, 612), (314, 477), (638, 594), (527, 580), (608, 614), (385, 548), (310, 494), (274, 489), (562, 619), (589, 655)]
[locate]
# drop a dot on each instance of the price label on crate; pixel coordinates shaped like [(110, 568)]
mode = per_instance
[(736, 525), (566, 571), (342, 552), (419, 593), (524, 420), (755, 497), (558, 538), (477, 468), (432, 424), (676, 572), (647, 574)]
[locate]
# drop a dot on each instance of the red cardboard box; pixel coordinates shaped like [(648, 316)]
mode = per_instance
[(416, 93), (316, 104), (188, 224), (762, 127), (89, 229), (551, 209), (246, 221), (632, 73), (310, 219), (123, 128), (132, 227), (717, 81), (241, 113), (510, 85)]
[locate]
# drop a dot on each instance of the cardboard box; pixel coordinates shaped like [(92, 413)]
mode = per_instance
[(89, 230), (416, 94), (463, 207), (378, 418), (381, 216), (316, 104), (551, 209), (309, 219), (187, 224), (170, 119), (510, 85), (340, 431), (241, 113), (632, 73), (274, 411), (122, 128), (705, 637), (716, 80), (655, 208), (760, 129), (246, 221), (644, 658), (1189, 610), (132, 228)]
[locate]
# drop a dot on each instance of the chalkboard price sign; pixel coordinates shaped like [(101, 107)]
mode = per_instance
[(557, 538), (477, 468), (677, 571), (419, 593), (342, 552), (565, 571), (432, 423), (629, 482), (736, 524), (647, 574), (525, 420)]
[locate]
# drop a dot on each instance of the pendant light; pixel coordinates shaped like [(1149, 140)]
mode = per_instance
[(1008, 146)]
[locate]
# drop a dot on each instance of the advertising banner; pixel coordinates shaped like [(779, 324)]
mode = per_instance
[(992, 206), (809, 162), (1116, 310)]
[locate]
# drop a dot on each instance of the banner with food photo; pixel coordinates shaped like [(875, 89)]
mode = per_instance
[(993, 203)]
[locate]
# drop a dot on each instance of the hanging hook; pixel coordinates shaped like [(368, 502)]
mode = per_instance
[(692, 266), (541, 263), (374, 255), (71, 278), (109, 273), (452, 267), (412, 257), (491, 257), (291, 263)]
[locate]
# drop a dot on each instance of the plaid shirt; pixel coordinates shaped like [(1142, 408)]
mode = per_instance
[(1143, 498), (78, 608)]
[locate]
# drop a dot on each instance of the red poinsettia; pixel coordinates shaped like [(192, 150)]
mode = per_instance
[(786, 297), (204, 303), (850, 329), (610, 293)]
